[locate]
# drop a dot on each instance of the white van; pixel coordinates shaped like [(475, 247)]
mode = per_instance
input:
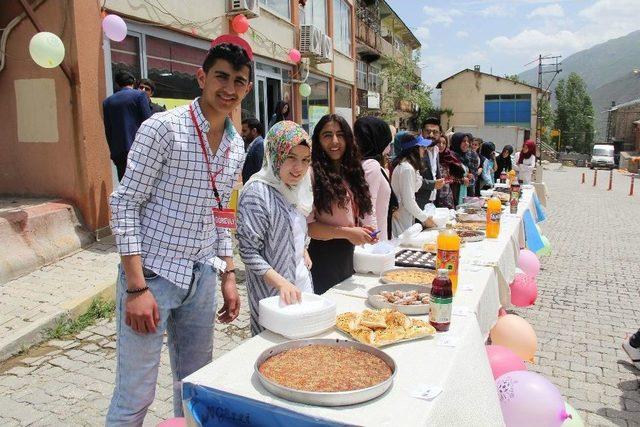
[(602, 156)]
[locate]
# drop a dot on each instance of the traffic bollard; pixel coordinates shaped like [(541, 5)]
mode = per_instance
[(610, 180), (595, 176), (583, 175), (631, 189)]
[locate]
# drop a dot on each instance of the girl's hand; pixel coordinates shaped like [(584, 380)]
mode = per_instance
[(289, 293), (359, 235)]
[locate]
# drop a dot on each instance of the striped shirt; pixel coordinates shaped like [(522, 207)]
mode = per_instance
[(162, 208)]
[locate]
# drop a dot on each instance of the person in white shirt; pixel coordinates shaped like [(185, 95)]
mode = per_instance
[(406, 180), (171, 231), (526, 162)]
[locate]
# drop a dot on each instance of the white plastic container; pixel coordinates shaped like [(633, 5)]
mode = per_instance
[(367, 260), (314, 315)]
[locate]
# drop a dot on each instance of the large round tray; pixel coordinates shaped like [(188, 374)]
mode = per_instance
[(411, 310), (383, 279), (341, 398)]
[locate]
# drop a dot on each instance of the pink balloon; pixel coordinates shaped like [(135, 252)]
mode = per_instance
[(528, 399), (240, 24), (294, 55), (503, 360), (528, 262), (114, 27), (524, 290), (173, 422)]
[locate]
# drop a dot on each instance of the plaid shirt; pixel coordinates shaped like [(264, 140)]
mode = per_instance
[(162, 208)]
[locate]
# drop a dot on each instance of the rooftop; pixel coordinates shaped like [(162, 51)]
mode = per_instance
[(439, 85)]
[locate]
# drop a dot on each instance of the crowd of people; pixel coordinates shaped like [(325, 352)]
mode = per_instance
[(307, 202)]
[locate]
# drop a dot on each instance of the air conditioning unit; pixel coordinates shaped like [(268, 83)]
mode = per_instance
[(249, 8), (327, 49), (310, 41)]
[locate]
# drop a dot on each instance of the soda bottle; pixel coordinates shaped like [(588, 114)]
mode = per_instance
[(448, 245), (441, 301), (512, 176), (494, 209), (503, 176), (515, 197)]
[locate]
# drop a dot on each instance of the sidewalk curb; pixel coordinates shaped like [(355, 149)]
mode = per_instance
[(35, 333)]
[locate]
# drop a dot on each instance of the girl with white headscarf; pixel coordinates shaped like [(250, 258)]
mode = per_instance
[(272, 226)]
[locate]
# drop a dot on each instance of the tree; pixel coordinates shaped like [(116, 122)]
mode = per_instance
[(514, 77), (403, 84), (574, 114), (546, 119)]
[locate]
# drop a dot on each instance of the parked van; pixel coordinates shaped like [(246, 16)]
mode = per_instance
[(602, 156)]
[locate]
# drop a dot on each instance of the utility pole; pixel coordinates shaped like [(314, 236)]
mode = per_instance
[(547, 64)]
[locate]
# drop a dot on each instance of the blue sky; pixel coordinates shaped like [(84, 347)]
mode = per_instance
[(504, 35)]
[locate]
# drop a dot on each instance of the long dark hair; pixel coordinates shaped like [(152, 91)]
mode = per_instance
[(372, 137), (411, 155), (328, 183)]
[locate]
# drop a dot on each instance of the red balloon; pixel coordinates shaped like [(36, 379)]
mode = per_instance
[(240, 24), (524, 290)]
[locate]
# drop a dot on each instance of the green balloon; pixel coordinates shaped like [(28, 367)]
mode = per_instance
[(575, 420), (46, 49), (305, 90), (546, 249)]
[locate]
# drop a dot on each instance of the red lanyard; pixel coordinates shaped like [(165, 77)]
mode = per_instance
[(212, 176)]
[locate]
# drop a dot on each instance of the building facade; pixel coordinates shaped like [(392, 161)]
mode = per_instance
[(485, 102), (380, 33), (622, 130)]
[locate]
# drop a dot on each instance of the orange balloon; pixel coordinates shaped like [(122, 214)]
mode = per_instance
[(516, 334)]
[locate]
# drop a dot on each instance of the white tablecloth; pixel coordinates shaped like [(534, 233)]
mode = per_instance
[(462, 371)]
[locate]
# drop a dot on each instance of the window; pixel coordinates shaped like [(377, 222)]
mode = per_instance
[(281, 7), (342, 26), (125, 55), (315, 105), (512, 109), (172, 66), (361, 75), (374, 81), (315, 13), (342, 97)]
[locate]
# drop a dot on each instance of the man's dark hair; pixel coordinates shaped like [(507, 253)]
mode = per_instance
[(232, 53), (432, 121), (253, 123), (148, 82), (124, 78)]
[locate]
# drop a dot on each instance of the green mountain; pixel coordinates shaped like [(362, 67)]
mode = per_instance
[(608, 71)]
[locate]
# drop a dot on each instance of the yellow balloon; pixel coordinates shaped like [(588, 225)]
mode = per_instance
[(46, 49), (516, 334)]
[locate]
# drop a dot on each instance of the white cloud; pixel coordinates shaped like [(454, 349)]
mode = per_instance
[(422, 34), (496, 10), (564, 39), (440, 16), (462, 34), (439, 67), (550, 11)]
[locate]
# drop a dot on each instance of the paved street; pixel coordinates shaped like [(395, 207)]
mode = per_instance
[(588, 301)]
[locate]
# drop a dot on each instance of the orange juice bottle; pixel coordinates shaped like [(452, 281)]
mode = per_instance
[(512, 177), (494, 209), (449, 255)]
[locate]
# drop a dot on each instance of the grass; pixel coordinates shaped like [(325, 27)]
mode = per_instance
[(99, 309)]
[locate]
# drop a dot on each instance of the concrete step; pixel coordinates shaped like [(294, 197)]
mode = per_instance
[(37, 232)]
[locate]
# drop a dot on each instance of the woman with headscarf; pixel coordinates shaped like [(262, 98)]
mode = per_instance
[(272, 225), (487, 150), (526, 161), (475, 163), (503, 162), (452, 172), (459, 147), (281, 113), (372, 136)]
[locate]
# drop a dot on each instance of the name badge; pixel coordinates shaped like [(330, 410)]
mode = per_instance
[(224, 218)]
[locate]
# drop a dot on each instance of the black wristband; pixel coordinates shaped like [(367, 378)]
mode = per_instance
[(137, 291)]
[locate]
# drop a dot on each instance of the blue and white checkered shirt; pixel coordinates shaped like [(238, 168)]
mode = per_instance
[(162, 208)]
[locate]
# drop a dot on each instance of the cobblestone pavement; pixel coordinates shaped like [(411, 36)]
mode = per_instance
[(588, 301), (589, 295)]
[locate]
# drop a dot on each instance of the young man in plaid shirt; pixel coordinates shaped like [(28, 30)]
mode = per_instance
[(167, 216)]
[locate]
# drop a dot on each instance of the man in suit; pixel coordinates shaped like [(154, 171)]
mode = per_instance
[(252, 131), (123, 113), (431, 177)]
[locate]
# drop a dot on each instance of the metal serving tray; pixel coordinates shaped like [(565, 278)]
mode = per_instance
[(341, 398), (411, 310)]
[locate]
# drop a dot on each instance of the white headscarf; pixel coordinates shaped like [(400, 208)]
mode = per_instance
[(280, 140)]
